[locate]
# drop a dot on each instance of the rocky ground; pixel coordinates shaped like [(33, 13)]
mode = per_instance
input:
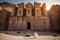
[(14, 35)]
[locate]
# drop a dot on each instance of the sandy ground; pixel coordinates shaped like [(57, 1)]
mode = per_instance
[(20, 36)]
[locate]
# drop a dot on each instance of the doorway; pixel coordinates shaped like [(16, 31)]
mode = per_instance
[(28, 25)]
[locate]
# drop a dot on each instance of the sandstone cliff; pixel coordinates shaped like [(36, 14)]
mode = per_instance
[(54, 15)]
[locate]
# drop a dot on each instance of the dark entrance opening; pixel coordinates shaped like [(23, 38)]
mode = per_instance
[(28, 25)]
